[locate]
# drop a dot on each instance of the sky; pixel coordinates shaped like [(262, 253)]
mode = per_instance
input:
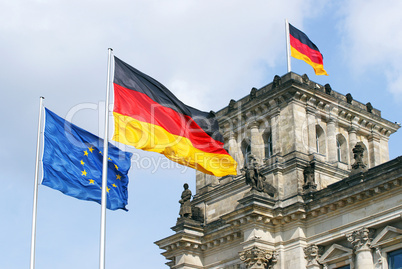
[(206, 52)]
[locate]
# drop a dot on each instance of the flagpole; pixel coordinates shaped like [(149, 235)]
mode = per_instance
[(35, 198), (104, 168), (288, 44)]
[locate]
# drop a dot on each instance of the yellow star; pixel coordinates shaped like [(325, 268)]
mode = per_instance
[(118, 177), (117, 168), (109, 159), (91, 181), (114, 185), (100, 152), (82, 162), (91, 149), (86, 153), (84, 173), (107, 189)]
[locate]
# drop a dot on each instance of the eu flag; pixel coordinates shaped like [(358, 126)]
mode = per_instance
[(72, 163)]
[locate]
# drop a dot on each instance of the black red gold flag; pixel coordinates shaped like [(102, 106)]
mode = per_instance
[(149, 117), (303, 49)]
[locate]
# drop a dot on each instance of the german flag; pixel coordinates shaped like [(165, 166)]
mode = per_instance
[(303, 49), (149, 117)]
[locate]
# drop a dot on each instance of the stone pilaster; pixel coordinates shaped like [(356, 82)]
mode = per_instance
[(374, 149), (276, 146), (312, 253), (331, 138), (234, 150), (311, 121), (257, 146), (258, 258), (360, 239)]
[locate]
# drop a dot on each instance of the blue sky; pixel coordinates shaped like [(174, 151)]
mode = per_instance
[(205, 52)]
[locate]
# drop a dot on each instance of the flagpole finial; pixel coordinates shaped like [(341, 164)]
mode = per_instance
[(41, 97), (110, 49)]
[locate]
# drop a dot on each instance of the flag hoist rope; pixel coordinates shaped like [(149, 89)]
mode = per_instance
[(35, 196), (104, 167)]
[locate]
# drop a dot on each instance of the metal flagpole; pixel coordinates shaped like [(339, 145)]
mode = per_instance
[(287, 44), (35, 198), (104, 168)]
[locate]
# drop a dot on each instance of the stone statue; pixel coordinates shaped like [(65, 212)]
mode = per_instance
[(231, 105), (276, 82), (256, 179), (305, 79), (185, 208), (359, 165), (309, 178), (328, 89), (253, 93), (369, 107), (349, 98)]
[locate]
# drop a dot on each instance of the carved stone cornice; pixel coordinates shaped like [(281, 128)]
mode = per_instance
[(257, 258)]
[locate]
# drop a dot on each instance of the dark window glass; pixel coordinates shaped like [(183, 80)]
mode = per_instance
[(395, 259)]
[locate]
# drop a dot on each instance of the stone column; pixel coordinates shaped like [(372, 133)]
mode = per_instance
[(257, 258), (352, 141), (331, 138), (361, 240), (312, 255)]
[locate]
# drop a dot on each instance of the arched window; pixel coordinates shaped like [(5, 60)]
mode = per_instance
[(268, 145), (338, 150), (246, 149), (341, 148), (320, 140)]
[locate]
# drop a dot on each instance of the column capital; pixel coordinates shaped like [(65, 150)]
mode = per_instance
[(360, 239), (256, 258), (353, 129)]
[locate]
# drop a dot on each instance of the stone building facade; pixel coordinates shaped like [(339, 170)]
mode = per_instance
[(315, 186)]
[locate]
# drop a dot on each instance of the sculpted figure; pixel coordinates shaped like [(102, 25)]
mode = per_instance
[(256, 179), (185, 208)]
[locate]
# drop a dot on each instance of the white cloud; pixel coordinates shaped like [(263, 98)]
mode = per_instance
[(373, 38)]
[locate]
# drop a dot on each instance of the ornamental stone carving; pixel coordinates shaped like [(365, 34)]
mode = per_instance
[(231, 105), (309, 178), (276, 82), (349, 98), (359, 165), (360, 238), (256, 179), (328, 89), (369, 107), (313, 252), (257, 258), (305, 79), (253, 93)]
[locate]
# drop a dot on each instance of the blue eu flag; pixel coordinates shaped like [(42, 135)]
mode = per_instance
[(72, 164)]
